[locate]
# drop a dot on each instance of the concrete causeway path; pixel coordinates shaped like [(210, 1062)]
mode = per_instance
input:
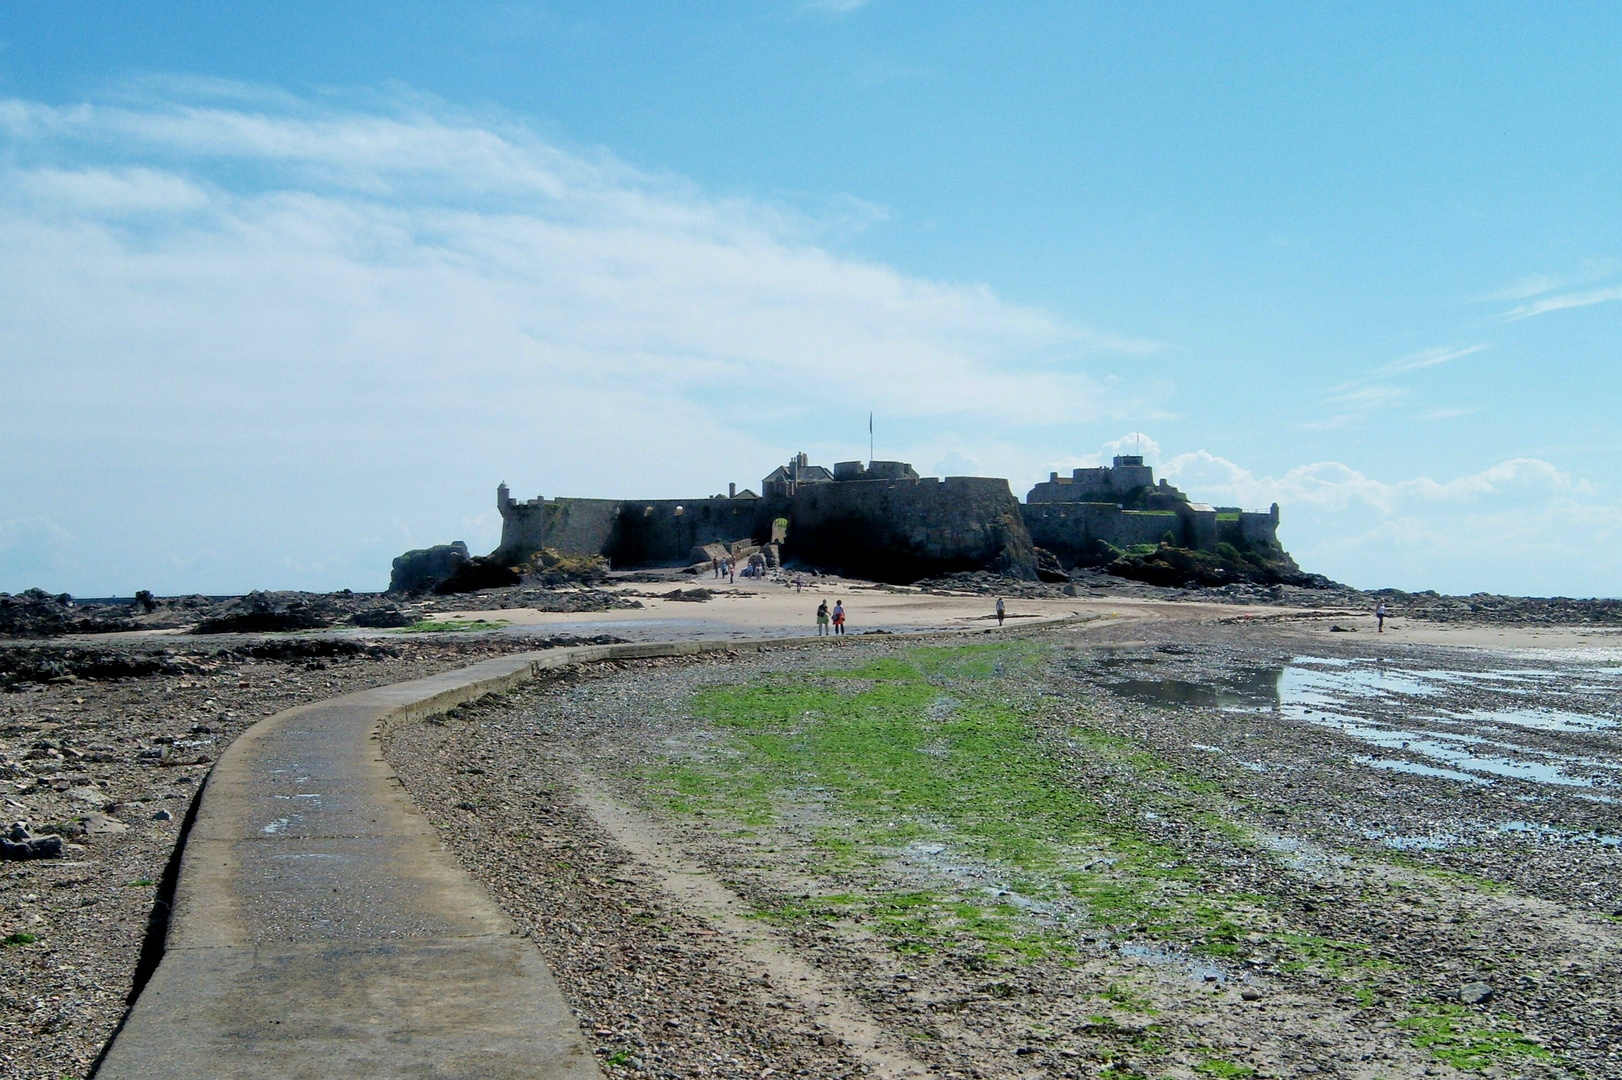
[(321, 929)]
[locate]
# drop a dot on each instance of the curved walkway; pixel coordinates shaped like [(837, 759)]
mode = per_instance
[(321, 929)]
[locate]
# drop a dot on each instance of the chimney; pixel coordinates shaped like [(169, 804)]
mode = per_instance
[(732, 491)]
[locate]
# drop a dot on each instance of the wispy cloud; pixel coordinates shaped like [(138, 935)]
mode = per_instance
[(1430, 358), (1565, 301), (835, 7), (1524, 289)]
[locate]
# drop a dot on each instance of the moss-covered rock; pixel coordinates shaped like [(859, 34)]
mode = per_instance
[(1175, 567)]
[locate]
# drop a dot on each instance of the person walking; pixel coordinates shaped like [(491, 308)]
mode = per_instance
[(715, 565), (732, 569), (1000, 611), (822, 618), (839, 617), (1379, 618)]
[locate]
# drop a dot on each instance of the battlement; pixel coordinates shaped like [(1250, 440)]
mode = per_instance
[(1117, 482)]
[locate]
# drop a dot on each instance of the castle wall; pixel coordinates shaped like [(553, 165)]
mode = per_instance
[(571, 526), (903, 530), (1200, 526), (627, 532), (651, 533), (889, 530), (1259, 530), (1074, 531)]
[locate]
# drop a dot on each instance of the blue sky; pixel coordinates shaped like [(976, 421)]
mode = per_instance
[(285, 292)]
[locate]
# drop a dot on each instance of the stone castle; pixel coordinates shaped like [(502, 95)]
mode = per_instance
[(882, 521)]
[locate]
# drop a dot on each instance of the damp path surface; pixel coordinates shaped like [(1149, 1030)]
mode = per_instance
[(321, 930)]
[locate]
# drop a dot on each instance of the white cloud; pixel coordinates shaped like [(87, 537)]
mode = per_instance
[(1522, 520), (1524, 289), (1565, 301), (1133, 442), (1429, 358), (243, 323)]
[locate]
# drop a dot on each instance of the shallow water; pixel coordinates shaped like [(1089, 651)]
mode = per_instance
[(1470, 726)]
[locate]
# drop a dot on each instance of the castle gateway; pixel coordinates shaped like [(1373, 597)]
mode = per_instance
[(881, 520)]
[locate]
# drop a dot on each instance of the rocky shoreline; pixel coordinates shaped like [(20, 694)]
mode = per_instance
[(104, 740), (35, 614), (1342, 948)]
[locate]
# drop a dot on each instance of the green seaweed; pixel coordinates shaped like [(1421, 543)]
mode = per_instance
[(1466, 1039)]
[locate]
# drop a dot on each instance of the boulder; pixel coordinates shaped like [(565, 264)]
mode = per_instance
[(380, 618)]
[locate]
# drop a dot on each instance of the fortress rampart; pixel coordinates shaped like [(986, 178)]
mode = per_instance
[(901, 530), (883, 521), (628, 532)]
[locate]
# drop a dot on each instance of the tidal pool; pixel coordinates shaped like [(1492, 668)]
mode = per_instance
[(1472, 726)]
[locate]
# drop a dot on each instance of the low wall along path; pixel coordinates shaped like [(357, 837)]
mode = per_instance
[(321, 929)]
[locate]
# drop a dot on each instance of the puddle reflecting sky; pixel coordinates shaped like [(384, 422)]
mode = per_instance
[(1469, 726)]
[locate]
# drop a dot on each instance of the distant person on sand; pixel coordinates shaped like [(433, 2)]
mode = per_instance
[(822, 618), (799, 583), (715, 564), (839, 616), (1379, 618), (732, 570), (1000, 611)]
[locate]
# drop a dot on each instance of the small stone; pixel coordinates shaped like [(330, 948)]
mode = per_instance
[(102, 825), (1475, 993), (163, 815), (1025, 1051), (827, 1039), (1250, 993)]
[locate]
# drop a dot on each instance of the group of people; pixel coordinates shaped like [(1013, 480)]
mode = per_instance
[(825, 617), (726, 566), (833, 622)]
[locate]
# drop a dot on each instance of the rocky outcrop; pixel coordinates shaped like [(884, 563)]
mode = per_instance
[(270, 612), (1170, 566), (422, 568), (37, 613), (477, 574)]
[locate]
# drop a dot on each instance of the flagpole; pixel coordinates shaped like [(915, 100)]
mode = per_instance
[(869, 440)]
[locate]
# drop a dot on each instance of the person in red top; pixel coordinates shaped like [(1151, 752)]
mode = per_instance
[(839, 617)]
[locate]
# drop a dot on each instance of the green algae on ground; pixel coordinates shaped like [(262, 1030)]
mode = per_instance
[(924, 758), (451, 626), (916, 754), (1466, 1039)]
